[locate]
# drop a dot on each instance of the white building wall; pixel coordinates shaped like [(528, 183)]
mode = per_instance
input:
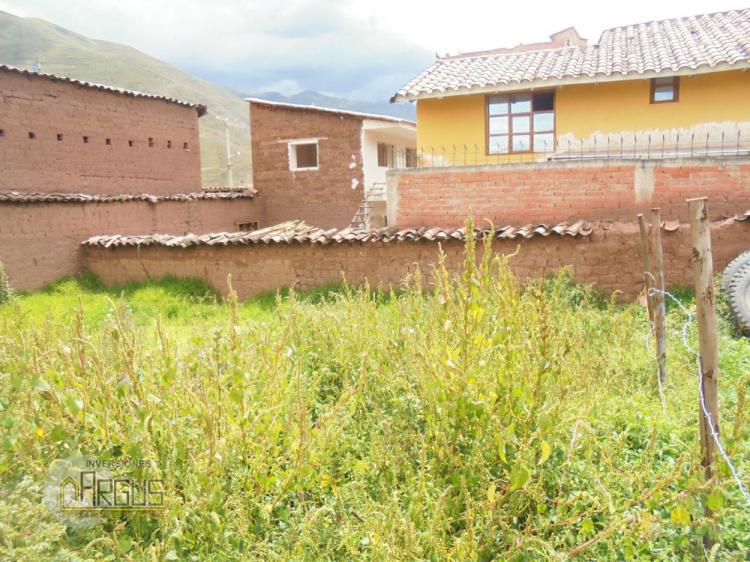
[(400, 136)]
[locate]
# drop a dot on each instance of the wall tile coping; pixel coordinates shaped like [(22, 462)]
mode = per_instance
[(199, 108), (299, 232), (23, 197)]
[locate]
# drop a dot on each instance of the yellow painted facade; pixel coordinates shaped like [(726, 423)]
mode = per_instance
[(707, 103)]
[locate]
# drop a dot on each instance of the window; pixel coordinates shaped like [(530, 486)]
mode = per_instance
[(150, 142), (411, 157), (32, 135), (108, 142), (85, 140), (385, 155), (665, 90), (303, 155), (247, 226), (521, 123), (60, 136), (131, 143)]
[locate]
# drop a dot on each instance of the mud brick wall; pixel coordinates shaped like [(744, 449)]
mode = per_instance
[(62, 137), (610, 259), (40, 242), (327, 197), (562, 191)]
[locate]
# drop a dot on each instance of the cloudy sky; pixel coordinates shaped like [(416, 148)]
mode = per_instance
[(360, 49)]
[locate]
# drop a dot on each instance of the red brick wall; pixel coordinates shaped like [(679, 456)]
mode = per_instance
[(49, 108), (40, 242), (610, 259), (322, 197), (561, 191)]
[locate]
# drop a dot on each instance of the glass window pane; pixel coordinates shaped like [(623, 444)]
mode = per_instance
[(544, 142), (544, 101), (664, 81), (498, 105), (498, 145), (520, 103), (521, 124), (521, 143), (663, 93), (307, 155), (544, 122), (498, 125)]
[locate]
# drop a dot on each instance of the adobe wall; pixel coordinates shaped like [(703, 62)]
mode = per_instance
[(40, 242), (562, 191), (610, 259), (327, 197), (44, 109)]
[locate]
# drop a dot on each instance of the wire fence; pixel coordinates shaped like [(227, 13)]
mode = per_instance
[(684, 338), (712, 144)]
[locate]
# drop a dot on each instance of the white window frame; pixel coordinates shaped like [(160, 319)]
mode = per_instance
[(292, 154)]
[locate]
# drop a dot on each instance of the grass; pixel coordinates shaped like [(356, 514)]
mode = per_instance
[(476, 420)]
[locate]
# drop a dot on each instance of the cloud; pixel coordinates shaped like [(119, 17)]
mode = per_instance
[(251, 45)]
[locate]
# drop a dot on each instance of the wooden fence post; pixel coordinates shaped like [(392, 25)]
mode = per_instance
[(647, 279), (706, 315), (660, 312)]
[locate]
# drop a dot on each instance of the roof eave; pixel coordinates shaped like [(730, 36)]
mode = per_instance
[(597, 79)]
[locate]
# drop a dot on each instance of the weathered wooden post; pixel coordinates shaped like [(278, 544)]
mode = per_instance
[(703, 272), (647, 277), (660, 312)]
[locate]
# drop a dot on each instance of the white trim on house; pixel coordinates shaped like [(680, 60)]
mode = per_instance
[(292, 154), (330, 110)]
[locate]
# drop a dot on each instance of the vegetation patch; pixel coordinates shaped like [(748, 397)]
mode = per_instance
[(466, 417)]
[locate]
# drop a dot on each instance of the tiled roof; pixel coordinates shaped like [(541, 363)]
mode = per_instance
[(333, 110), (683, 45), (31, 197), (300, 233), (201, 109)]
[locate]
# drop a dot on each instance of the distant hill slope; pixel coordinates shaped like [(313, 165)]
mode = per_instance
[(308, 97), (23, 41)]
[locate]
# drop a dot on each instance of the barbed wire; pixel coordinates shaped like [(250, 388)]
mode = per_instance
[(652, 291)]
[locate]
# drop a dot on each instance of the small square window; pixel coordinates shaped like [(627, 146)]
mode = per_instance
[(169, 144), (32, 135), (85, 140), (303, 156), (385, 155), (665, 90), (60, 136), (108, 142), (247, 226), (131, 143), (185, 146), (150, 142)]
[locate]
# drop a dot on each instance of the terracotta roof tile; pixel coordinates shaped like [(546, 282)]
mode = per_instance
[(659, 47), (298, 232), (21, 197)]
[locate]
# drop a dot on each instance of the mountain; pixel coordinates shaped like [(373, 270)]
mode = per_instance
[(309, 97), (25, 41)]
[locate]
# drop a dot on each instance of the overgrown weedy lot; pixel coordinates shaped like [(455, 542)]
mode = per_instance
[(465, 417)]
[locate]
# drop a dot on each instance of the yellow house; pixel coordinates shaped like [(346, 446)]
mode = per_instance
[(679, 86)]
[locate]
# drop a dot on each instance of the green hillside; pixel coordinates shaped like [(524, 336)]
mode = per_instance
[(24, 41)]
